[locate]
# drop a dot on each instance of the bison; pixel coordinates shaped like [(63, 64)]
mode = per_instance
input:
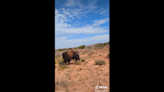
[(70, 54)]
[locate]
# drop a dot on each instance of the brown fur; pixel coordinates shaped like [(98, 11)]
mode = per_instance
[(70, 53)]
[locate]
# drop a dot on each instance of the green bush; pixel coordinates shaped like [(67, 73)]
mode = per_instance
[(83, 60), (81, 47), (61, 49)]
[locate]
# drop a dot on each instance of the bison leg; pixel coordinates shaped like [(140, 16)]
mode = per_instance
[(69, 61), (76, 60), (65, 61)]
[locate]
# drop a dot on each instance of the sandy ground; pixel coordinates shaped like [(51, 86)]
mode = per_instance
[(86, 76)]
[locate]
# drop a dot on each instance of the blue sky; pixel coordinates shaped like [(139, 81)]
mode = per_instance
[(81, 22)]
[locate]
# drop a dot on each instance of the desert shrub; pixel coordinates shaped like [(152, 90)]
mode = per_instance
[(62, 83), (81, 47), (57, 56), (61, 59), (100, 62), (79, 70), (60, 62), (78, 63), (61, 49), (75, 48), (101, 45), (104, 43), (63, 67), (56, 62), (83, 60)]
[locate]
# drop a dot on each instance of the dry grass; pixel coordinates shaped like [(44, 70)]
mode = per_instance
[(100, 62), (63, 83), (62, 67)]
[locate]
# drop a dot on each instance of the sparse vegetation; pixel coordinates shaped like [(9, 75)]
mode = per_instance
[(84, 64), (62, 83), (74, 59), (79, 70), (81, 47), (90, 53), (61, 49), (56, 62), (61, 59), (67, 75), (63, 67), (60, 63), (101, 45), (87, 70), (78, 63), (100, 62)]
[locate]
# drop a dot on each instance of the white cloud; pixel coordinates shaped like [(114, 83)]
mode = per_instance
[(61, 27), (104, 11), (84, 30), (99, 22), (77, 9), (71, 3), (60, 38)]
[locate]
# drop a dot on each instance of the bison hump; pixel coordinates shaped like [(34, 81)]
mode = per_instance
[(70, 53)]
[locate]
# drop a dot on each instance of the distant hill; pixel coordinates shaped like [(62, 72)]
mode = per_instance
[(81, 47)]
